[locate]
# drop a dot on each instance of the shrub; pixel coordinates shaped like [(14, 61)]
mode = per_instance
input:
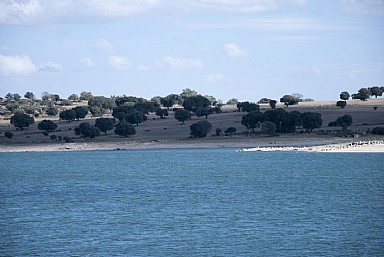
[(52, 111), (86, 130), (53, 137), (47, 125), (8, 134), (230, 131), (200, 128), (378, 131), (125, 129), (67, 139), (218, 132), (46, 133), (268, 127)]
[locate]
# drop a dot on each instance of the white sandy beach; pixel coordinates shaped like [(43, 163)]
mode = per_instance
[(250, 146)]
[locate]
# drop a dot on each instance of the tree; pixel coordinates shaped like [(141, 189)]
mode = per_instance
[(29, 95), (233, 101), (230, 131), (268, 128), (264, 100), (96, 111), (21, 121), (252, 120), (161, 113), (135, 117), (102, 102), (9, 96), (344, 95), (182, 115), (104, 124), (125, 129), (343, 121), (192, 103), (363, 94), (167, 102), (81, 112), (200, 128), (289, 100), (8, 134), (85, 96), (146, 107), (247, 107), (341, 104), (272, 103), (73, 97), (86, 130), (187, 92), (52, 111), (29, 109), (311, 120), (202, 111), (16, 97), (68, 115), (285, 122), (375, 91), (47, 125)]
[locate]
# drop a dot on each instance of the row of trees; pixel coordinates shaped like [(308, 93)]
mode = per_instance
[(283, 121)]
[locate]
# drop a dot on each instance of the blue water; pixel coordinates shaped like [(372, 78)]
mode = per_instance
[(215, 202)]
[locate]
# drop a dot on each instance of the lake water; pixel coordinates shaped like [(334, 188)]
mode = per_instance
[(191, 202)]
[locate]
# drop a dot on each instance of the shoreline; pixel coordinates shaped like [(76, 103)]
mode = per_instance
[(243, 144)]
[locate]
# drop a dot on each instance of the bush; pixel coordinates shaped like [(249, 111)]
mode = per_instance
[(8, 134), (218, 132), (200, 128), (53, 137), (47, 125), (46, 133), (67, 139), (378, 131), (52, 111), (125, 129), (86, 130), (230, 131)]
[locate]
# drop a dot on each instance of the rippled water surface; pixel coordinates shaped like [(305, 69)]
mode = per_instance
[(215, 202)]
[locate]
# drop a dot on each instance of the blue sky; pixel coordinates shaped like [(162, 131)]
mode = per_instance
[(245, 49)]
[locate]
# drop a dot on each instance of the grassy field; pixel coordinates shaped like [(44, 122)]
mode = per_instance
[(169, 129)]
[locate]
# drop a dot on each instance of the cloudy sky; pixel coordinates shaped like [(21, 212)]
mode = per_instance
[(245, 49)]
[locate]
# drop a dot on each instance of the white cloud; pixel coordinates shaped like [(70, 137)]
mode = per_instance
[(217, 78), (51, 67), (19, 12), (234, 50), (182, 63), (41, 11), (119, 62), (364, 6), (247, 6), (88, 62), (18, 65)]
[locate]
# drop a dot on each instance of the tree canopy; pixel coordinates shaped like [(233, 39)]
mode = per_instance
[(192, 103), (47, 125), (68, 115), (311, 120), (289, 100), (125, 129), (86, 130), (200, 128), (21, 121), (182, 115), (104, 124), (252, 120)]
